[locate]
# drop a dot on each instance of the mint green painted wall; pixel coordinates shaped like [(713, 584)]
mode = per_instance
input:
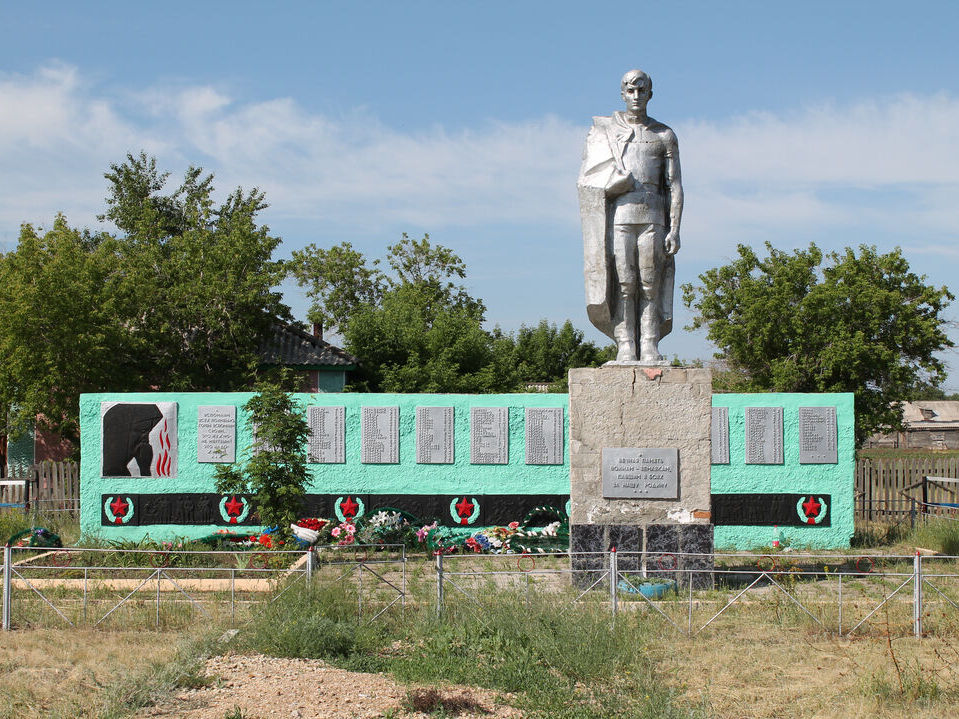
[(837, 480), (406, 477)]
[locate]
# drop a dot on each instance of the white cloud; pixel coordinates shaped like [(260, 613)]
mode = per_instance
[(886, 162)]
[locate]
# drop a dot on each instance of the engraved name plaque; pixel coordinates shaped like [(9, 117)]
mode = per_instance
[(818, 435), (327, 443), (764, 435), (630, 473), (380, 435), (489, 435), (434, 435), (719, 435), (216, 433), (544, 435)]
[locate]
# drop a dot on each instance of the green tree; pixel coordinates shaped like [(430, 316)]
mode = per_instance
[(273, 471), (844, 322), (545, 353), (180, 298), (62, 332), (201, 276), (415, 329)]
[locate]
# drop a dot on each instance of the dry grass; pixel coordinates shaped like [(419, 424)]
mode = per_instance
[(68, 672), (757, 671)]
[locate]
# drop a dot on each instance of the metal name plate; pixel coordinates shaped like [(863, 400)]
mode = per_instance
[(380, 435), (764, 435), (327, 443), (818, 435), (544, 435), (648, 473), (489, 435), (434, 435), (719, 436), (216, 433)]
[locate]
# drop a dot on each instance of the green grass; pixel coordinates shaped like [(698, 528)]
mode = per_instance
[(558, 661), (942, 535)]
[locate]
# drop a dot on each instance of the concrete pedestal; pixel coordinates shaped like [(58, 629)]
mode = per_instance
[(636, 406)]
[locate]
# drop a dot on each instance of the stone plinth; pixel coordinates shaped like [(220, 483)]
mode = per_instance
[(639, 407), (631, 406)]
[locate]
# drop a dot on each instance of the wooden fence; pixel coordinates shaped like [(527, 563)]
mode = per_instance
[(886, 487), (53, 487)]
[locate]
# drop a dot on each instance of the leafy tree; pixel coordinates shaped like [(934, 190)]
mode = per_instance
[(179, 298), (62, 327), (546, 354), (844, 322), (415, 329), (274, 469), (202, 276), (338, 282)]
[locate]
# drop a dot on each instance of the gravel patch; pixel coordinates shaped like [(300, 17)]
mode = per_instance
[(262, 687)]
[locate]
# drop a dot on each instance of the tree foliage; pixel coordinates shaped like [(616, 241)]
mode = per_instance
[(545, 353), (274, 469), (416, 328), (179, 298), (846, 321)]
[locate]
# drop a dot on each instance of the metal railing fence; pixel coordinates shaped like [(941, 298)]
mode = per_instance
[(840, 594), (108, 587)]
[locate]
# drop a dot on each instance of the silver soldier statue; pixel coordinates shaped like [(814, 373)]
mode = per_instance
[(631, 201)]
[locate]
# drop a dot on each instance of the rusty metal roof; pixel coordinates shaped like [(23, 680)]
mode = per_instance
[(290, 346), (931, 414)]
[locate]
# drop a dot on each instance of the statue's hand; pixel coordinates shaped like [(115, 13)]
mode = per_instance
[(672, 242), (619, 184)]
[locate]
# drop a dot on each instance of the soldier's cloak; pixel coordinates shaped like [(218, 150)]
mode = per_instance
[(602, 162)]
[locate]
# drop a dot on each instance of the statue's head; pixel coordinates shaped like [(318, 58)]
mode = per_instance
[(636, 88)]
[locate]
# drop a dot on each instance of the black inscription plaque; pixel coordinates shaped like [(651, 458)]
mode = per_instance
[(544, 435), (380, 435), (719, 435), (489, 435), (327, 444), (434, 435), (764, 435), (818, 435)]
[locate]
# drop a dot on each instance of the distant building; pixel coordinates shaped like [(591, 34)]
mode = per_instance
[(322, 365), (932, 424)]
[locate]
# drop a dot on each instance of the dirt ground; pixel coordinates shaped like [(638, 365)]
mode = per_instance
[(263, 687)]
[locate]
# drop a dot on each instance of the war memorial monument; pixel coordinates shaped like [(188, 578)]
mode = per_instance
[(640, 455)]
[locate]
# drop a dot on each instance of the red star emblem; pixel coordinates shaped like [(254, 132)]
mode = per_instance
[(119, 507), (234, 507), (349, 508), (811, 508), (464, 508)]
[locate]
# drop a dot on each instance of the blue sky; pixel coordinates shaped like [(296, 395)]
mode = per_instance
[(829, 122)]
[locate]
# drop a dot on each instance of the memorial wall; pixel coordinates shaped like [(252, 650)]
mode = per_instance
[(149, 459), (782, 464)]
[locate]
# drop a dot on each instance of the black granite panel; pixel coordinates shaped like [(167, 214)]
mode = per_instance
[(767, 510), (205, 507), (587, 538), (697, 539), (587, 568), (628, 541)]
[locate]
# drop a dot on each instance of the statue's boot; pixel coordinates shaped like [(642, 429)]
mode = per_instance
[(649, 339), (625, 331)]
